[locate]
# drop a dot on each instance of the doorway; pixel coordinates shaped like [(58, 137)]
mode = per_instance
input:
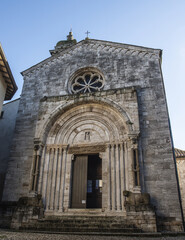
[(86, 181)]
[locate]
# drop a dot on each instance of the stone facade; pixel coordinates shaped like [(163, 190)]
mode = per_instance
[(97, 97), (7, 126), (180, 160)]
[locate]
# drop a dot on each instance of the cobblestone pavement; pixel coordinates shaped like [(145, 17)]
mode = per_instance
[(8, 235)]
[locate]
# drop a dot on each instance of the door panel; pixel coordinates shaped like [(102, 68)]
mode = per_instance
[(79, 183), (94, 182)]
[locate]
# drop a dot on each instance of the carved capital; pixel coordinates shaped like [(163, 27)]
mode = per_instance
[(38, 146), (133, 140)]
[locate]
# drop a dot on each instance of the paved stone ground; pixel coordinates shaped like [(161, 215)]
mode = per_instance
[(9, 235)]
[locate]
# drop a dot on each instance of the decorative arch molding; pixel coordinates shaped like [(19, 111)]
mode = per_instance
[(86, 124), (87, 118), (41, 135)]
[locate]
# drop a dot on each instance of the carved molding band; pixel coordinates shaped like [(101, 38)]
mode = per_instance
[(87, 149)]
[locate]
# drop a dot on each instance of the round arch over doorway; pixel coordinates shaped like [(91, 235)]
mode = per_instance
[(110, 105), (84, 129)]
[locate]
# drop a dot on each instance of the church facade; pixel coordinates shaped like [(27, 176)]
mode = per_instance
[(92, 138)]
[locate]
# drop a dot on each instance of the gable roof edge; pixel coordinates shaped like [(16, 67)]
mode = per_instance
[(108, 44)]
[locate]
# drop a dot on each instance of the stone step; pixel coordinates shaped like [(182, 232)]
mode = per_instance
[(106, 224), (84, 229), (84, 217), (98, 225), (83, 221), (82, 224)]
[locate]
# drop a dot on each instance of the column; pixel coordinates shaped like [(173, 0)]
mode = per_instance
[(58, 178), (45, 174), (118, 177), (42, 164), (64, 178), (110, 177), (53, 178), (135, 181), (122, 173), (106, 178), (127, 164), (130, 167), (61, 203), (67, 186), (61, 179), (35, 167), (113, 177), (49, 179), (136, 167)]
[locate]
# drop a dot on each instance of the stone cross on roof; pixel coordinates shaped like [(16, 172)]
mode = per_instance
[(87, 34)]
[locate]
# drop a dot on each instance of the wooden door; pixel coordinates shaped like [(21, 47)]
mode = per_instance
[(79, 181), (94, 182)]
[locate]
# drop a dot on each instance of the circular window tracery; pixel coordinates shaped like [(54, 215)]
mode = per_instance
[(87, 82)]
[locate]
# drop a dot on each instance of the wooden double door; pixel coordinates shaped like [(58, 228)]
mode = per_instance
[(86, 182)]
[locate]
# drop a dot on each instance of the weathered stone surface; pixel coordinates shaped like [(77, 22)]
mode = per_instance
[(181, 175), (27, 209), (88, 236), (128, 116), (6, 212)]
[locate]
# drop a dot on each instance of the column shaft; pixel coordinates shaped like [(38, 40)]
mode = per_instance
[(58, 180)]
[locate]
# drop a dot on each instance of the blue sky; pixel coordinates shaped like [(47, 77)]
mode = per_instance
[(29, 29)]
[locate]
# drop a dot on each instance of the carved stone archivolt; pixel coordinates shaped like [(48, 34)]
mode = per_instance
[(88, 123), (87, 128)]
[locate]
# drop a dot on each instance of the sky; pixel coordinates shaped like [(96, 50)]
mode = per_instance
[(29, 29)]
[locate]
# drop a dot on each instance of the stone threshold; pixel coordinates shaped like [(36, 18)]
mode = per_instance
[(84, 212)]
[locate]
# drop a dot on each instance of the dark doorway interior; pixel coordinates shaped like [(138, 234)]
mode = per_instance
[(87, 182), (94, 182)]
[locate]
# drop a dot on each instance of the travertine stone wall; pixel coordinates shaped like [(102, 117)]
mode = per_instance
[(122, 66), (181, 174)]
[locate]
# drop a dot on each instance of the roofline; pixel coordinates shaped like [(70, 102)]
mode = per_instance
[(11, 101), (179, 153), (9, 91), (154, 50), (125, 44)]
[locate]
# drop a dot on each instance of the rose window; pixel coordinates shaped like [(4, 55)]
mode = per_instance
[(87, 82)]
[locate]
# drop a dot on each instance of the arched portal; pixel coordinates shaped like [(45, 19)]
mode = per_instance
[(103, 123), (86, 150)]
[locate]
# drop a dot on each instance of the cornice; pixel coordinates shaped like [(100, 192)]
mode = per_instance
[(93, 95), (98, 45)]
